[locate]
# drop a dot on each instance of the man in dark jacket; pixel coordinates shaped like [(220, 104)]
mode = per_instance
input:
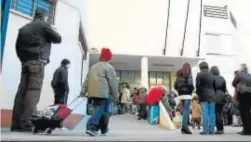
[(220, 92), (33, 47), (205, 88), (59, 83), (242, 83)]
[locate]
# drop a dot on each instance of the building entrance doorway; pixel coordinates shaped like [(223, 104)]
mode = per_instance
[(133, 78)]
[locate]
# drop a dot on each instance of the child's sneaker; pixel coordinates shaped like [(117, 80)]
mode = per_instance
[(91, 133)]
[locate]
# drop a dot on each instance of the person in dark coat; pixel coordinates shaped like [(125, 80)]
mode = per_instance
[(141, 103), (184, 86), (242, 83), (60, 84), (220, 92), (227, 110), (205, 88), (33, 47)]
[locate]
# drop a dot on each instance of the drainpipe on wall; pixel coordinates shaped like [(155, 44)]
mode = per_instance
[(5, 10), (199, 35), (167, 23), (185, 29)]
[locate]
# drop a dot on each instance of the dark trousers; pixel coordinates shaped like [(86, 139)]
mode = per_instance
[(219, 117), (142, 111), (245, 107), (28, 94), (60, 97), (99, 119), (196, 122)]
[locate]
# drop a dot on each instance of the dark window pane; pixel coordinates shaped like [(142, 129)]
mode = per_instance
[(137, 77), (24, 6), (152, 77), (118, 75), (159, 78), (28, 7)]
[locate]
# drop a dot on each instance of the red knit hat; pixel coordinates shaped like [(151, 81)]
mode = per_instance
[(105, 55)]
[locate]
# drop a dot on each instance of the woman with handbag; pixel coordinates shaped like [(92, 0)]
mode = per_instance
[(184, 86)]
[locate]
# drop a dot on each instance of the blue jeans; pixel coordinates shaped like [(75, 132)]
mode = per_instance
[(186, 113), (208, 115), (99, 115)]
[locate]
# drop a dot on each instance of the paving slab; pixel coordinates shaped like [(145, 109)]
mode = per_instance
[(127, 128)]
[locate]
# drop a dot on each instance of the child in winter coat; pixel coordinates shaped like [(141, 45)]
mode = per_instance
[(196, 112)]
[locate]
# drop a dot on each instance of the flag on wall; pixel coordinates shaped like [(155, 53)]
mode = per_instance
[(216, 11)]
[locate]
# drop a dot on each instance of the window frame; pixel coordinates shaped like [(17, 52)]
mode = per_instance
[(53, 3), (83, 41), (208, 46)]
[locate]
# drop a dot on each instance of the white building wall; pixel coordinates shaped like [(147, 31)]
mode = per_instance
[(240, 10), (67, 24), (140, 26)]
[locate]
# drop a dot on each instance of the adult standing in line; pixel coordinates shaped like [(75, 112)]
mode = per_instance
[(142, 104), (100, 84), (242, 83), (184, 86), (220, 92), (33, 46), (205, 89), (60, 83), (125, 98)]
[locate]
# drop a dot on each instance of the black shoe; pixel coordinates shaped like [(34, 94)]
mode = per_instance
[(240, 132), (26, 127), (246, 134), (219, 132), (204, 133), (15, 129), (21, 129), (185, 131)]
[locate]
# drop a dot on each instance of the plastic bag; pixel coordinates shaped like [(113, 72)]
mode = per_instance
[(177, 120), (49, 111)]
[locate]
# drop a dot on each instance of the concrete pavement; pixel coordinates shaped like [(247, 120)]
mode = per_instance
[(127, 128)]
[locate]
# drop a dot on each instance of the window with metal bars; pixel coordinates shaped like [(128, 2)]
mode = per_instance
[(216, 11), (28, 7)]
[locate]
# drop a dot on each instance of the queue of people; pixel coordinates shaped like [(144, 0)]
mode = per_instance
[(213, 98), (101, 87)]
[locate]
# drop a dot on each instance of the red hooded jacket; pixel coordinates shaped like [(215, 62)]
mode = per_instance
[(154, 95)]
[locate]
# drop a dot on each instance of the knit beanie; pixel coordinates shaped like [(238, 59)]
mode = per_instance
[(105, 55)]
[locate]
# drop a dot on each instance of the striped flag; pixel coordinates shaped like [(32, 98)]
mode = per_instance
[(216, 11)]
